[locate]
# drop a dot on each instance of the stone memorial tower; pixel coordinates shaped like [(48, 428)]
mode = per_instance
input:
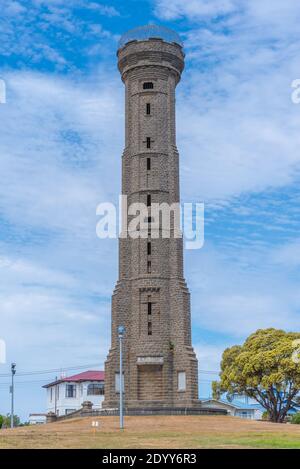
[(151, 298)]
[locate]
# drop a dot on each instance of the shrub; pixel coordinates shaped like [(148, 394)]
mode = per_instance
[(296, 418), (265, 415)]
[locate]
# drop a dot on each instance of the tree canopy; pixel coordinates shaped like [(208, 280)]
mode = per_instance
[(5, 421), (266, 367)]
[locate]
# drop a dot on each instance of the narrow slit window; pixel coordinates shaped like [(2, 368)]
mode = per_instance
[(148, 109), (148, 164), (149, 248), (149, 328), (149, 267), (149, 308), (148, 200), (149, 222), (148, 142), (148, 85), (181, 377)]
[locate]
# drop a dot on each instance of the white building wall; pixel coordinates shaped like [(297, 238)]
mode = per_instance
[(65, 404), (36, 419), (234, 411)]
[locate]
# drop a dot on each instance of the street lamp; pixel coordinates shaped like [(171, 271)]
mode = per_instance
[(13, 372), (121, 332)]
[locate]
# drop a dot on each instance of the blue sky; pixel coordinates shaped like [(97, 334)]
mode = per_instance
[(60, 149)]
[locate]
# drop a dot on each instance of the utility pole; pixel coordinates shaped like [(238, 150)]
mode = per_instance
[(121, 332), (55, 397), (13, 372)]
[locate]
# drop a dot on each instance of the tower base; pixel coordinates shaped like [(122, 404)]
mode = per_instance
[(194, 408), (137, 404)]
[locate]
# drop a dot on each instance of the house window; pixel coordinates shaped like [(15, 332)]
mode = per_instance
[(51, 394), (149, 248), (117, 382), (181, 381), (148, 164), (244, 414), (148, 200), (148, 85), (95, 389), (70, 390), (148, 109), (149, 328), (149, 267), (148, 142)]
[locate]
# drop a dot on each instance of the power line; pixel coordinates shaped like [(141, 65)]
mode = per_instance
[(53, 370), (41, 382), (68, 368), (78, 367), (25, 382)]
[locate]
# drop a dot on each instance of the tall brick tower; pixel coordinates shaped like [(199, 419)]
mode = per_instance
[(151, 298)]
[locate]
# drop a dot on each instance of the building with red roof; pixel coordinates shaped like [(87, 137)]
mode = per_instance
[(67, 393)]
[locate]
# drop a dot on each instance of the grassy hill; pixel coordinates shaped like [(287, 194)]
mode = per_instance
[(155, 432)]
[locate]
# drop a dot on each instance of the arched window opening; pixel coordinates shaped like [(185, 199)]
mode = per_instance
[(148, 85)]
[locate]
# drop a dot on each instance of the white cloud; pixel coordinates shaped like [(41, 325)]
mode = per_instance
[(53, 33), (209, 358), (193, 8), (243, 14), (60, 156), (22, 270), (56, 126), (237, 126), (275, 13), (231, 298), (50, 311), (106, 10), (244, 141), (288, 255), (14, 8)]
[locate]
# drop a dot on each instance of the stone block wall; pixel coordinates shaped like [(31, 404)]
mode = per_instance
[(157, 343)]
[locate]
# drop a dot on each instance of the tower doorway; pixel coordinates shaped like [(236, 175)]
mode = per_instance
[(150, 383)]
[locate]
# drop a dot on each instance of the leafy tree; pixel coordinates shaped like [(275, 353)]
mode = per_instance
[(263, 368), (265, 415), (1, 421), (296, 418), (6, 421), (216, 391)]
